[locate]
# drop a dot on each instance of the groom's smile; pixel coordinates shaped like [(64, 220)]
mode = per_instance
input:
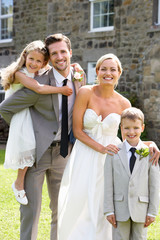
[(60, 57)]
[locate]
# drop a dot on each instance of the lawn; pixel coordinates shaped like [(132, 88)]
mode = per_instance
[(9, 210)]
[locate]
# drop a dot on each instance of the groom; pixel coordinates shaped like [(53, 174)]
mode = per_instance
[(46, 116)]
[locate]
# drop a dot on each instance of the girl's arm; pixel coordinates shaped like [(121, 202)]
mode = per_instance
[(79, 73), (77, 67), (40, 88), (80, 106)]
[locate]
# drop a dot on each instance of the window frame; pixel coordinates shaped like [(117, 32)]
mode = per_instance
[(158, 13), (91, 73), (5, 16), (99, 29)]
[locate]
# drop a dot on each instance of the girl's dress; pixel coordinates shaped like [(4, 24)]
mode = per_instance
[(80, 204), (20, 148)]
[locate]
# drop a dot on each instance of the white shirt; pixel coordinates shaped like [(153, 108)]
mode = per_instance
[(59, 83), (128, 147)]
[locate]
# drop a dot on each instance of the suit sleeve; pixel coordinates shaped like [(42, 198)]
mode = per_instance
[(154, 189), (108, 185), (84, 80), (20, 100)]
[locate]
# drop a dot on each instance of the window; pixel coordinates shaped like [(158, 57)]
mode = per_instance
[(102, 15), (6, 20), (156, 12), (91, 79), (158, 17)]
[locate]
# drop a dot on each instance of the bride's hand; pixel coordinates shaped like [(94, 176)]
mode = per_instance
[(155, 153), (110, 149)]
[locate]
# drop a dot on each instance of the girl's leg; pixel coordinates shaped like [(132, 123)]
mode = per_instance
[(18, 187), (19, 183)]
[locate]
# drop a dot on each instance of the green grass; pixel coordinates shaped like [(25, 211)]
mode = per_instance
[(9, 210), (9, 207), (154, 229)]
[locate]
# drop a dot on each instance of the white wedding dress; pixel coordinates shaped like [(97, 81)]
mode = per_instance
[(21, 144), (80, 204)]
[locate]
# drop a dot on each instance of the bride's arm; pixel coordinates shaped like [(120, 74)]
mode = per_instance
[(80, 106), (154, 151)]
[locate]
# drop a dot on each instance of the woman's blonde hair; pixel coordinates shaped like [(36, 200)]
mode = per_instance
[(109, 56), (8, 74)]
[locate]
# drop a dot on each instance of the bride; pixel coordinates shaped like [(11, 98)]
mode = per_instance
[(96, 119)]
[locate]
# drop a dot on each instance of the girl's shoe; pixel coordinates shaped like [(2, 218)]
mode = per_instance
[(20, 195)]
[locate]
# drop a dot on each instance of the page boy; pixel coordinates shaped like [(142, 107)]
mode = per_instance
[(131, 182)]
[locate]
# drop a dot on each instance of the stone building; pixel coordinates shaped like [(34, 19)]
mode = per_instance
[(128, 28)]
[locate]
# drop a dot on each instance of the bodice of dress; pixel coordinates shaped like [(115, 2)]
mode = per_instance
[(13, 88), (97, 128)]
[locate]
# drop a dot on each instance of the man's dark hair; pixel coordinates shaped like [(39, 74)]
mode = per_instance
[(58, 37)]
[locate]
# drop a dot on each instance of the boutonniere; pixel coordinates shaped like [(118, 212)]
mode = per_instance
[(143, 152), (78, 76)]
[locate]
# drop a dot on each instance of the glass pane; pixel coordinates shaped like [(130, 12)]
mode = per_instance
[(6, 28), (104, 7), (96, 22), (91, 78), (111, 6), (7, 6), (104, 22), (111, 20), (96, 8)]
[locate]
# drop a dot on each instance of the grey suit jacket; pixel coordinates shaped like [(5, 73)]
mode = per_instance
[(130, 195), (44, 111)]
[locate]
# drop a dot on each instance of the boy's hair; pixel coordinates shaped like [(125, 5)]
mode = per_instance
[(132, 113), (8, 73), (58, 37)]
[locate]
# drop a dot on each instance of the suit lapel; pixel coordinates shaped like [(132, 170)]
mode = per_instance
[(137, 164), (54, 96), (138, 161), (78, 84), (123, 158), (75, 83), (55, 101)]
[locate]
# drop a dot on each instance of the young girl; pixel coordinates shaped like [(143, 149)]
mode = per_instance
[(20, 148)]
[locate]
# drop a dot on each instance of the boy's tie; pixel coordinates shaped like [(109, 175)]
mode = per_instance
[(64, 125), (132, 159)]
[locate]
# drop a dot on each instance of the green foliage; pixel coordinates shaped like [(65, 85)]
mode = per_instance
[(143, 152), (132, 97)]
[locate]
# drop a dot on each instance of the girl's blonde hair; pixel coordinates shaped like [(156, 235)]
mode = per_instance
[(109, 56), (8, 73)]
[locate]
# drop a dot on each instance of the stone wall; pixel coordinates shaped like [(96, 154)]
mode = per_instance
[(30, 22), (134, 40), (140, 55)]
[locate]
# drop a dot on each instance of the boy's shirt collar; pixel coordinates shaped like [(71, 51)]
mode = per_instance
[(128, 146)]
